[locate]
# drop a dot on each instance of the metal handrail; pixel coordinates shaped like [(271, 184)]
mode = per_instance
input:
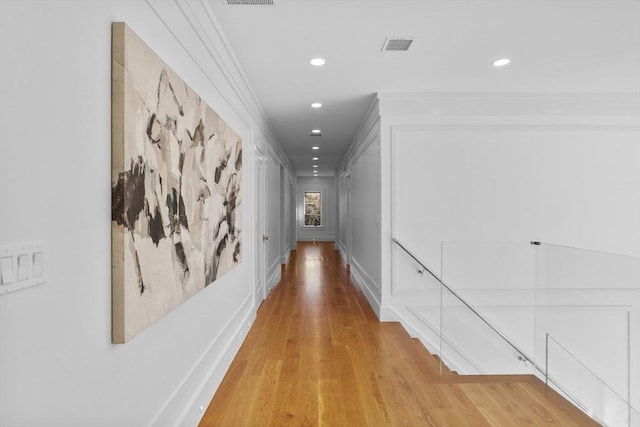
[(522, 354), (558, 245), (513, 346), (473, 310)]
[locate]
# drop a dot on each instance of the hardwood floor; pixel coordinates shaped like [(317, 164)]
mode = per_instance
[(317, 355)]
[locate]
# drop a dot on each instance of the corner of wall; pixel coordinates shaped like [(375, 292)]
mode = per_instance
[(342, 251), (368, 122), (287, 255), (367, 285)]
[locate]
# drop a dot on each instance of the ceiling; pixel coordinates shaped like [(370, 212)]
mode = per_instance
[(556, 46)]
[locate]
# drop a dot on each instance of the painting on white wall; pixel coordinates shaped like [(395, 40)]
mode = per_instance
[(175, 188)]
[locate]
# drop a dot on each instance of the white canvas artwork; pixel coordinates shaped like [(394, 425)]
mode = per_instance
[(176, 178)]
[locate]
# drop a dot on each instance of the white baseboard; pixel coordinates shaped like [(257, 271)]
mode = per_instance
[(191, 398), (285, 258), (318, 238), (343, 252), (366, 284), (274, 275)]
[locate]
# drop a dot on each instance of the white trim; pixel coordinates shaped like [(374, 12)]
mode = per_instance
[(342, 251), (274, 272), (366, 284), (504, 105), (239, 94), (287, 256), (362, 144), (199, 385), (258, 155), (318, 238)]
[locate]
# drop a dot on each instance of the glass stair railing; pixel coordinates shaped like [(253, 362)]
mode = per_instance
[(503, 308), (585, 389)]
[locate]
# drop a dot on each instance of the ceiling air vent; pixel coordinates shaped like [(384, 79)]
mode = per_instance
[(250, 2), (397, 44)]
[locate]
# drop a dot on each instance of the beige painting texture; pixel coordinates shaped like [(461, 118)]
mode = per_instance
[(176, 200)]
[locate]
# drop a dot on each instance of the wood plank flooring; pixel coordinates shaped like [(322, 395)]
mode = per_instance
[(317, 356)]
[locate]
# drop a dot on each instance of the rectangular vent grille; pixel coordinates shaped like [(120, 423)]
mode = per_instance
[(250, 2), (397, 44)]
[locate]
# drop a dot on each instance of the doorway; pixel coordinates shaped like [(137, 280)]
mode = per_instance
[(260, 221)]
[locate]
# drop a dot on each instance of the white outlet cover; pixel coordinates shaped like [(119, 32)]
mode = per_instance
[(22, 266)]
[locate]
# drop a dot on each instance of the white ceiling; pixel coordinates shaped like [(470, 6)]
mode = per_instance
[(556, 46)]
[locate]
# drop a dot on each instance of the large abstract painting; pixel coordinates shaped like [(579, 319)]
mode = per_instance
[(176, 177)]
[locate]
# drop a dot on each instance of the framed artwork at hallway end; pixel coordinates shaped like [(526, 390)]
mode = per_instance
[(176, 205)]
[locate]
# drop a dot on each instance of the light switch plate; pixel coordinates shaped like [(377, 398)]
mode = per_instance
[(37, 264), (21, 266), (7, 275)]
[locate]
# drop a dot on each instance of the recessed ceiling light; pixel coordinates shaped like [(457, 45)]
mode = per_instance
[(315, 166), (316, 105), (501, 62), (318, 62), (316, 131), (315, 148), (315, 158)]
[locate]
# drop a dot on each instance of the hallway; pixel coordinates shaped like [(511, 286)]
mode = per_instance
[(317, 355)]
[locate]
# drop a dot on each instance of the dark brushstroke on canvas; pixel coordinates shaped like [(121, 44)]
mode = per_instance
[(141, 284), (205, 192), (128, 201), (236, 252), (167, 219), (176, 208), (213, 272), (164, 82), (182, 260), (152, 122), (156, 230), (230, 203), (222, 166), (128, 195), (238, 164)]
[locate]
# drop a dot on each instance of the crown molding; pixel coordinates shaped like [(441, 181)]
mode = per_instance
[(509, 104)]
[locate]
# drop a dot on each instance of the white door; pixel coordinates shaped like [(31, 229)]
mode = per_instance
[(260, 180)]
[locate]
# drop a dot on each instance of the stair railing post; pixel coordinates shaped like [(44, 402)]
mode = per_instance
[(441, 305), (629, 364), (546, 359)]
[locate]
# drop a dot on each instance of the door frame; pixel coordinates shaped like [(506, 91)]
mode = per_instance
[(260, 223)]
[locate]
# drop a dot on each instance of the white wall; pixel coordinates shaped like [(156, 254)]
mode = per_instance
[(57, 364), (488, 174), (479, 177), (571, 186), (273, 221), (287, 221), (327, 187), (343, 216), (362, 165)]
